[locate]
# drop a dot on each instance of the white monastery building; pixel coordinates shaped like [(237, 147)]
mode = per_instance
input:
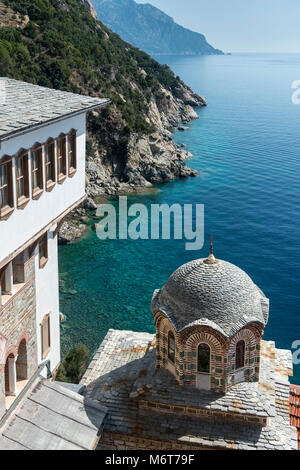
[(42, 178)]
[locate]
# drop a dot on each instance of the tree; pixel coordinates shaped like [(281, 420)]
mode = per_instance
[(31, 30), (5, 60), (74, 365)]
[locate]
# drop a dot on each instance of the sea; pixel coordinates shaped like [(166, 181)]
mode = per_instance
[(246, 147)]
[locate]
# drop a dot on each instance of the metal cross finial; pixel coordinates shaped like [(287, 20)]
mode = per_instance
[(211, 244)]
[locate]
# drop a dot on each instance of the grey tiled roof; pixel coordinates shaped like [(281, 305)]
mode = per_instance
[(218, 295), (23, 105), (53, 417), (122, 374)]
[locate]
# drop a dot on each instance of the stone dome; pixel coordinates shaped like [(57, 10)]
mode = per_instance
[(212, 293)]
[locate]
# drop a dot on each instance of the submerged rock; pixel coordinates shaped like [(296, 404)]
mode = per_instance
[(89, 204), (70, 232)]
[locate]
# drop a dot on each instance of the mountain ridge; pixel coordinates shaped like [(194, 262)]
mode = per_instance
[(150, 29)]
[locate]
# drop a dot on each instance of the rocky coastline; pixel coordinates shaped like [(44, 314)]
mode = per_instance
[(146, 160)]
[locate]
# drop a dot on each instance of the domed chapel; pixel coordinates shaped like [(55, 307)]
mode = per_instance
[(210, 318), (206, 379)]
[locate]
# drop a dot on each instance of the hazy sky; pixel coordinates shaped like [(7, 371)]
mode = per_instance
[(240, 25)]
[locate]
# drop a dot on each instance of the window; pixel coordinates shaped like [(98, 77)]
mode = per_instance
[(43, 250), (61, 158), (204, 358), (22, 182), (45, 336), (12, 278), (6, 190), (6, 282), (37, 171), (171, 346), (18, 269), (50, 164), (72, 152), (3, 280), (240, 355)]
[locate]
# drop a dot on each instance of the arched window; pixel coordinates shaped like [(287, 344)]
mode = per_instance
[(240, 355), (171, 346), (204, 358)]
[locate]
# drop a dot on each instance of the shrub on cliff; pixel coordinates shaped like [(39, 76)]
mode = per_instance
[(74, 365)]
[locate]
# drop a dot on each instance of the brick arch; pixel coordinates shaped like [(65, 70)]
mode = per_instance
[(159, 316), (190, 340), (24, 336), (22, 360), (163, 327), (12, 350), (247, 335), (219, 340), (251, 335), (204, 337)]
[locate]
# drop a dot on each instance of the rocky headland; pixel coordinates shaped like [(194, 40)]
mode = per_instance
[(150, 159)]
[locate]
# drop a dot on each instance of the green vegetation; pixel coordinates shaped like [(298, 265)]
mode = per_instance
[(63, 47), (74, 365)]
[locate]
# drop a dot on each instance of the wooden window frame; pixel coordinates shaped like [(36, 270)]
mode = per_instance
[(72, 156), (23, 199), (240, 355), (43, 250), (38, 190), (6, 211), (171, 351), (50, 183), (45, 348), (61, 176)]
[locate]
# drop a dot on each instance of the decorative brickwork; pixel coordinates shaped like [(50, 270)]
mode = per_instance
[(18, 326), (204, 413), (223, 373), (250, 372), (118, 441)]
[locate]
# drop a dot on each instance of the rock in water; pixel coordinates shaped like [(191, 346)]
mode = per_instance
[(70, 232)]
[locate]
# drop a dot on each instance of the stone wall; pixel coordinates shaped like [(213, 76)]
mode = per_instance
[(18, 327), (119, 441), (223, 374)]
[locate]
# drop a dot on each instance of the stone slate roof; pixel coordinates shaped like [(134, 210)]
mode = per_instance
[(218, 295), (122, 377), (53, 417), (24, 106)]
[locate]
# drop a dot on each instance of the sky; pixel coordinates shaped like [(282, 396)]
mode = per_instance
[(239, 25)]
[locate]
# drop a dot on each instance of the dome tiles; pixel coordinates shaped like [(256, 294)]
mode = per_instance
[(211, 293)]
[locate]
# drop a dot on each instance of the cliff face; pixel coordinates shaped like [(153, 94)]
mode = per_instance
[(147, 27), (88, 4), (139, 160)]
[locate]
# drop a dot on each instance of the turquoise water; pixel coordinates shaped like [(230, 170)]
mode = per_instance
[(246, 146)]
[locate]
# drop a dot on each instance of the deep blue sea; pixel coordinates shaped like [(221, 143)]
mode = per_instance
[(246, 147)]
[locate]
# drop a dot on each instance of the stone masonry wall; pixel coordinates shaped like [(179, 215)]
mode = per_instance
[(119, 441), (18, 326), (223, 374)]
